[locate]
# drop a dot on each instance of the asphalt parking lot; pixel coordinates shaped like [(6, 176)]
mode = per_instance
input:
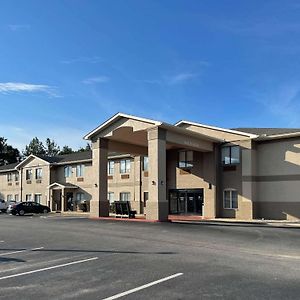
[(76, 258)]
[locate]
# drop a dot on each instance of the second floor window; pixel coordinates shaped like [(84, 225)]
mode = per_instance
[(145, 163), (16, 176), (39, 173), (68, 171), (111, 167), (79, 170), (9, 177), (230, 155), (28, 174), (185, 159), (125, 166)]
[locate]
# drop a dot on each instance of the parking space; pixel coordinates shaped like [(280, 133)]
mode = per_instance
[(62, 258)]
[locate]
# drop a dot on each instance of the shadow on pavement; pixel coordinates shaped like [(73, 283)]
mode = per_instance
[(10, 259)]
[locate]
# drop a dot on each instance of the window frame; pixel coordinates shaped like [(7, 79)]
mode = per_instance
[(38, 173), (70, 172), (127, 163), (230, 155), (40, 197), (145, 163), (230, 190), (9, 177), (28, 174), (81, 198), (187, 164), (125, 193), (110, 167), (80, 170), (111, 199)]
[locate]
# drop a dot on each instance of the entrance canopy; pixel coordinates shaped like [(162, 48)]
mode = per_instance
[(58, 186), (122, 130)]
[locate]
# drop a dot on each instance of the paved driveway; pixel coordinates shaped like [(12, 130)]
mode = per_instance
[(77, 258)]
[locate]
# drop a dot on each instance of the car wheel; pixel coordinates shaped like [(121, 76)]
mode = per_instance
[(13, 213), (21, 212), (45, 211)]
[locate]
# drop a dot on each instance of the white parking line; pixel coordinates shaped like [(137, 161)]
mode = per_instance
[(143, 287), (20, 251), (49, 268)]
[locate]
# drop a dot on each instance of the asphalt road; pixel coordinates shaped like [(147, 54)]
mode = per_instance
[(77, 258)]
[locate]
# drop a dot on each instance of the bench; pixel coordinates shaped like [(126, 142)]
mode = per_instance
[(123, 209)]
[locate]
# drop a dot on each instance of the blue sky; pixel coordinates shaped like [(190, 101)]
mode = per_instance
[(67, 66)]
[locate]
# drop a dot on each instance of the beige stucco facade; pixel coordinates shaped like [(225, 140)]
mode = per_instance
[(191, 169)]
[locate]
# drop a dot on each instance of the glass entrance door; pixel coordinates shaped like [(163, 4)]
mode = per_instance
[(186, 201)]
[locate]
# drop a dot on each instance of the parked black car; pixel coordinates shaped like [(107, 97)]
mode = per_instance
[(29, 208)]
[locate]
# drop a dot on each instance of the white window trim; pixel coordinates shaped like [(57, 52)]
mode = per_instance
[(126, 169), (80, 167), (230, 190)]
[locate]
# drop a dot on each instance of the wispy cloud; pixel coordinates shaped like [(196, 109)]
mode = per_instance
[(283, 102), (172, 80), (17, 27), (83, 59), (17, 87), (98, 79)]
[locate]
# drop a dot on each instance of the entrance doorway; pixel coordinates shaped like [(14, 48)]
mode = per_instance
[(183, 201)]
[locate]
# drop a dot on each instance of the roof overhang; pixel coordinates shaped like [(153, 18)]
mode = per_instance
[(278, 136), (115, 118), (62, 186), (250, 135)]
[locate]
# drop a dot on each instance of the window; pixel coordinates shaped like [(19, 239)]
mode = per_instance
[(68, 171), (111, 197), (37, 198), (16, 176), (16, 197), (125, 196), (9, 177), (111, 167), (145, 163), (79, 170), (39, 173), (28, 174), (230, 199), (146, 197), (185, 159), (10, 198), (28, 197), (80, 197), (125, 166), (230, 155)]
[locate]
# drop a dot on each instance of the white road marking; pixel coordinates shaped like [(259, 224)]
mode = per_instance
[(142, 287), (1, 241), (49, 268), (20, 251)]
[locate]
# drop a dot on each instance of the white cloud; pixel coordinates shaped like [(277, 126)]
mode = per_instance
[(181, 77), (16, 27), (99, 79), (15, 87), (83, 59)]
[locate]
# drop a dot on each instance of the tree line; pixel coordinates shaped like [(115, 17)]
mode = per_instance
[(9, 154)]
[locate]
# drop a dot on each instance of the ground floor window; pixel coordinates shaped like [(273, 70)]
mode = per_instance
[(37, 198), (16, 197), (124, 196), (230, 199), (111, 197), (28, 197), (146, 196), (9, 197), (80, 197)]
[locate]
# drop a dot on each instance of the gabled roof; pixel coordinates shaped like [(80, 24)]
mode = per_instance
[(63, 185), (242, 133), (31, 156), (117, 117)]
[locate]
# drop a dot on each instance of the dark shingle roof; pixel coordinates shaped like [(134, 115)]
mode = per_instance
[(8, 167), (76, 156), (268, 131)]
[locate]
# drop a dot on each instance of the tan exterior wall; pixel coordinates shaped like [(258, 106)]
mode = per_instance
[(277, 179), (9, 188), (35, 186)]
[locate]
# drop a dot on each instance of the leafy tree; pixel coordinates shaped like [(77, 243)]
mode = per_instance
[(35, 147), (52, 148), (87, 148), (8, 154), (66, 150)]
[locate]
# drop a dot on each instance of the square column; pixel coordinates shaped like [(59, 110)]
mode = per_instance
[(62, 199), (157, 205), (99, 205)]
